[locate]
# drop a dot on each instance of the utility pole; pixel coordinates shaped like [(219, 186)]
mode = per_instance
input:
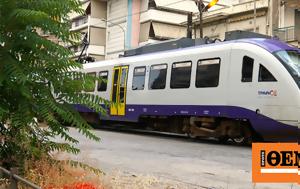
[(254, 16), (200, 8), (189, 31)]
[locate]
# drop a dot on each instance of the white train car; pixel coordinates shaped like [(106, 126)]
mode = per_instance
[(240, 89)]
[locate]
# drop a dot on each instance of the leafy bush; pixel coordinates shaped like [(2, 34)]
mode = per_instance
[(39, 81)]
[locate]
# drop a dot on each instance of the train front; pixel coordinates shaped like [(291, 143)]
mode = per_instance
[(290, 59)]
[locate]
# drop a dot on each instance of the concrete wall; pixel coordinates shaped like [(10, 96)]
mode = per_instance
[(115, 39), (297, 25), (98, 9), (218, 29), (289, 17), (116, 27), (274, 15), (116, 10), (97, 36), (98, 57)]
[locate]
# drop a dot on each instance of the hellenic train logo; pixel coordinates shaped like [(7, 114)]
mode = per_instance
[(267, 92), (275, 162)]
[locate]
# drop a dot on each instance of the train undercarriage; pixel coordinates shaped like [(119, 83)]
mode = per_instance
[(222, 129)]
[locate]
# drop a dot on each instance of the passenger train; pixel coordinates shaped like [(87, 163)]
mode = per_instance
[(244, 90)]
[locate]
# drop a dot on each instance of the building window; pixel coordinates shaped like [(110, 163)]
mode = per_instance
[(77, 23), (90, 83), (181, 75), (265, 75), (247, 69), (208, 72), (158, 74), (102, 82), (138, 81)]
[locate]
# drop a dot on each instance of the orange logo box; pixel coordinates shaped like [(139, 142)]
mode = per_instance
[(275, 162)]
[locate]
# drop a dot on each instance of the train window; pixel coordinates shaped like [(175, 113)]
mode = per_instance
[(265, 75), (102, 82), (157, 78), (138, 81), (181, 75), (247, 69), (89, 84), (123, 80), (208, 72)]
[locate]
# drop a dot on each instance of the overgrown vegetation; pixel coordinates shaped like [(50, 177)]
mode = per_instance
[(51, 174), (37, 83)]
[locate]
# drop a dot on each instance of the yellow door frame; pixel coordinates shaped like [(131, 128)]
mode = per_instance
[(117, 107)]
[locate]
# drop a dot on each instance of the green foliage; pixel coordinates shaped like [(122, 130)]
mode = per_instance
[(39, 81)]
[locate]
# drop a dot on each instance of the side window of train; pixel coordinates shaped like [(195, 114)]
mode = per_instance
[(208, 73), (89, 83), (138, 81), (102, 82), (181, 75), (157, 78), (247, 69), (265, 75)]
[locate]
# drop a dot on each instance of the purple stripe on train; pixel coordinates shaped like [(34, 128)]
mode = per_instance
[(270, 45), (269, 129)]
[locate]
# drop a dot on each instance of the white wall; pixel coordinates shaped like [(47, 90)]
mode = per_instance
[(289, 17), (116, 17)]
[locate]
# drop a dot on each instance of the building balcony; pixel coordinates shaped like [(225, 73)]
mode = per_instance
[(92, 49), (85, 21), (288, 34), (163, 17)]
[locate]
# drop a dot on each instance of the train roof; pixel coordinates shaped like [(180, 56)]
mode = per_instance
[(271, 45)]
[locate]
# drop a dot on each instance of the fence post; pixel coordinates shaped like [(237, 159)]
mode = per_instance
[(13, 182)]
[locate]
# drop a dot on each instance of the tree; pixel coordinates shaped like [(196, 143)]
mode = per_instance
[(39, 81)]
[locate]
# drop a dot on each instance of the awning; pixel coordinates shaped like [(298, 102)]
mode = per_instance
[(84, 6), (293, 3), (246, 16), (162, 30), (179, 5), (144, 31)]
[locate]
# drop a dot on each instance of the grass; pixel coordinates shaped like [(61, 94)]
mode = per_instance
[(49, 174)]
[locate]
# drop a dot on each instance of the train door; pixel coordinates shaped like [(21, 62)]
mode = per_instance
[(118, 91), (243, 78)]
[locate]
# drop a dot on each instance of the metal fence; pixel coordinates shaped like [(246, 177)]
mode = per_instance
[(286, 34), (14, 179)]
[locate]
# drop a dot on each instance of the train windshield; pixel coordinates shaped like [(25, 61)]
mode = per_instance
[(291, 60)]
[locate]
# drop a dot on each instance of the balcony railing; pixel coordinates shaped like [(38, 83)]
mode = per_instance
[(287, 34), (81, 21)]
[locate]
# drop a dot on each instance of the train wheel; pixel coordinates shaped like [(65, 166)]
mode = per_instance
[(191, 135), (245, 139), (240, 140)]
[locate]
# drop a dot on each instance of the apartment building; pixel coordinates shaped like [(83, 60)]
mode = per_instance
[(113, 26), (144, 21), (92, 25), (287, 21), (273, 17)]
